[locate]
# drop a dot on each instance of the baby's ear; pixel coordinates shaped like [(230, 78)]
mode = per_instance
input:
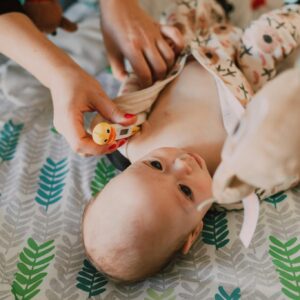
[(192, 238)]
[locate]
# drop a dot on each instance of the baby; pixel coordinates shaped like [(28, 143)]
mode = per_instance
[(148, 212)]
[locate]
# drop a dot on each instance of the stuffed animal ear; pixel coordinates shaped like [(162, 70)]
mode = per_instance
[(68, 25)]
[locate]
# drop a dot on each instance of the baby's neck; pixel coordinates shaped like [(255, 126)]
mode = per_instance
[(186, 115)]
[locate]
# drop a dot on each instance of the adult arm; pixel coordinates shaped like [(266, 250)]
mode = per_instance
[(73, 90)]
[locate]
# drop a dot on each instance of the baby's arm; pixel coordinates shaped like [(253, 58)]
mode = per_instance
[(73, 90)]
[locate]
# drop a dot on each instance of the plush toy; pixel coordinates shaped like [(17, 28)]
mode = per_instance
[(262, 153), (47, 15)]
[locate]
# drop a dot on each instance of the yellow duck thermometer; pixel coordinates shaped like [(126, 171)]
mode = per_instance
[(105, 133)]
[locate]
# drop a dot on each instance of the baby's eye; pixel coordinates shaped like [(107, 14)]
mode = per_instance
[(156, 164), (186, 191), (107, 130)]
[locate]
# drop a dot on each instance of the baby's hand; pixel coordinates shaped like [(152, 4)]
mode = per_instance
[(74, 92), (130, 33)]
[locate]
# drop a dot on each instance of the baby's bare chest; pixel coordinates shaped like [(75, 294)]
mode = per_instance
[(187, 114)]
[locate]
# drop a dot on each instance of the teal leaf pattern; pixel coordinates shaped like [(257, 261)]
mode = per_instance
[(51, 183), (34, 260), (91, 280), (223, 295), (53, 130), (9, 138), (286, 258), (168, 294), (215, 230), (275, 199), (103, 174)]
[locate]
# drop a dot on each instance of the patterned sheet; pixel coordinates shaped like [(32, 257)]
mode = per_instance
[(43, 190)]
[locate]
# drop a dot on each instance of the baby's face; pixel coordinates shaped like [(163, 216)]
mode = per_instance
[(149, 208), (177, 179)]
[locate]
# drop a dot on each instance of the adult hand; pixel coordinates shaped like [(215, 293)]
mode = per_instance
[(48, 16), (130, 33), (74, 92)]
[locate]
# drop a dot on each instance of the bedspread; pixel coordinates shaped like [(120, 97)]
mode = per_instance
[(44, 187)]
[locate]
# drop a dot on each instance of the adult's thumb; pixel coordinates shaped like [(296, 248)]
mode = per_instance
[(111, 112)]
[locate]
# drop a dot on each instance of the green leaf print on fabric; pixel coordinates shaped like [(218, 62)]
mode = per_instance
[(277, 198), (90, 280), (54, 130), (34, 260), (9, 138), (286, 258), (215, 230), (108, 70), (165, 295), (223, 295), (103, 174), (51, 183)]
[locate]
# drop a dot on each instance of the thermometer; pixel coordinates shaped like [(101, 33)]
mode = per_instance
[(105, 133)]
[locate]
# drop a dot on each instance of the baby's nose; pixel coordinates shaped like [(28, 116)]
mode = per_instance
[(182, 165)]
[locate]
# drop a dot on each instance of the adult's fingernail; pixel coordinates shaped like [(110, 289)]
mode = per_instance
[(112, 147), (122, 142), (129, 116)]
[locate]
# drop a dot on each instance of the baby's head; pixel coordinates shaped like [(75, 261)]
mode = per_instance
[(146, 214)]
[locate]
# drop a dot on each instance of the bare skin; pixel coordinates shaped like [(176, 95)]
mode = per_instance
[(187, 115), (173, 160)]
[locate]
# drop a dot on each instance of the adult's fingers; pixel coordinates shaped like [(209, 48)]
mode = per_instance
[(174, 35), (140, 67), (79, 140), (167, 52), (111, 111), (115, 58), (157, 63)]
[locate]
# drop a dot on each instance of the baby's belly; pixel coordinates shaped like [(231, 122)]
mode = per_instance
[(186, 114)]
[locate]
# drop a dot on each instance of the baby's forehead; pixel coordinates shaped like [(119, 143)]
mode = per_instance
[(135, 190)]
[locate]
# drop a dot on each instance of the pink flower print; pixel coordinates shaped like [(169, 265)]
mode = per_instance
[(265, 38)]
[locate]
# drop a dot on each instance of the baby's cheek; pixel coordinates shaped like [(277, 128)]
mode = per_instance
[(204, 187)]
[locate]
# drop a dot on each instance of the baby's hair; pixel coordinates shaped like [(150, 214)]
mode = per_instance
[(91, 260), (107, 269)]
